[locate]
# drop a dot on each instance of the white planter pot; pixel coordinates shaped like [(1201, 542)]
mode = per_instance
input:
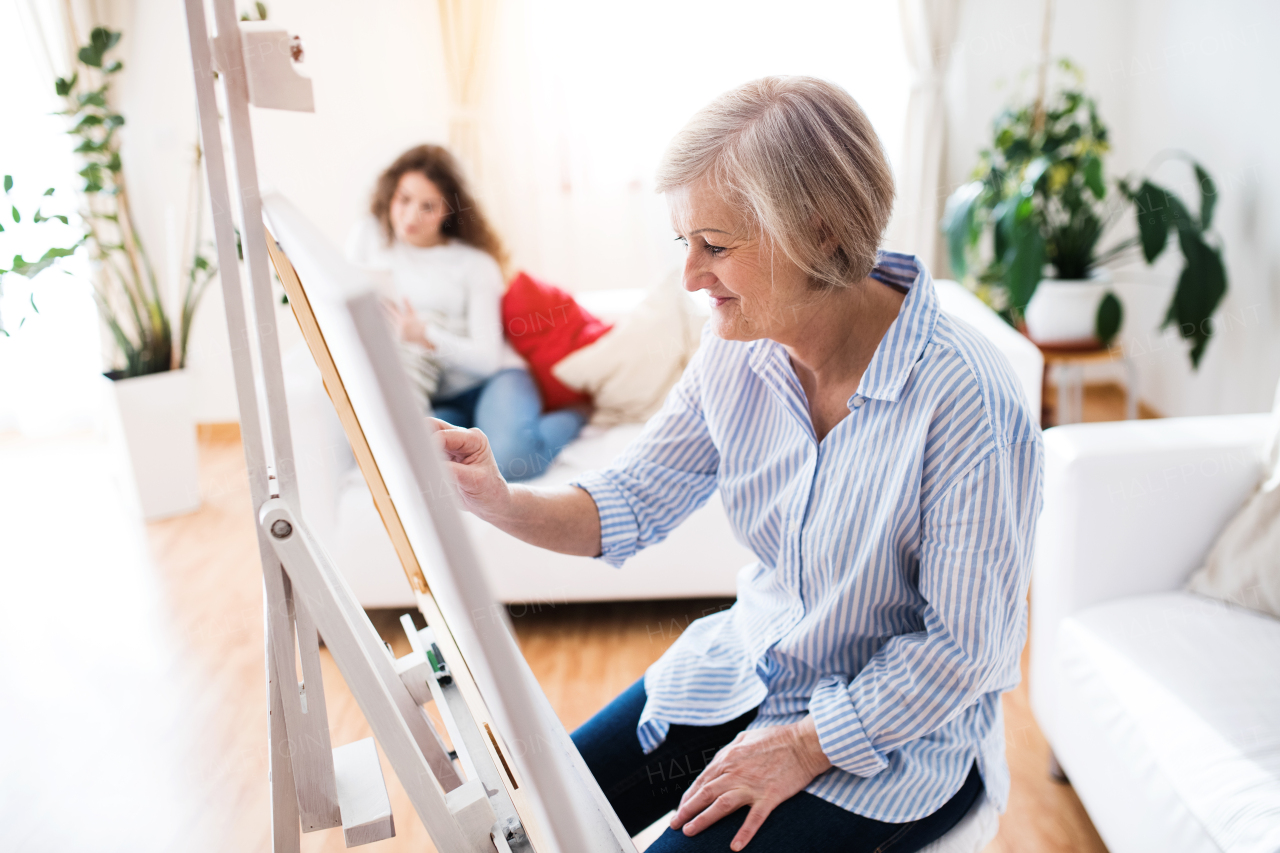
[(1064, 311), (151, 422)]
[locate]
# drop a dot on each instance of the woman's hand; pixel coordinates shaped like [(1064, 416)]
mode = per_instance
[(409, 327), (560, 518), (760, 768), (481, 486)]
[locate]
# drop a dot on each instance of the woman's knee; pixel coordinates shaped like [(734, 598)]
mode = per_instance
[(524, 440), (509, 396)]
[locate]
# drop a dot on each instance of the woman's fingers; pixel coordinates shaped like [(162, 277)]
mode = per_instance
[(702, 793), (469, 481), (460, 444), (714, 769), (722, 806), (755, 819), (435, 424)]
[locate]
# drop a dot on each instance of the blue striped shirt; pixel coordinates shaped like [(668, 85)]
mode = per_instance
[(889, 596)]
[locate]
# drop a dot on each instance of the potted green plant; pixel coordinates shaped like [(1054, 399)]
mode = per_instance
[(1041, 196), (149, 386)]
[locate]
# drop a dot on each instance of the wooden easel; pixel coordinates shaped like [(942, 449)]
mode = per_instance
[(508, 801)]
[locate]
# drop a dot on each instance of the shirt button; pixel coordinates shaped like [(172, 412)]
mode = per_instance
[(858, 401)]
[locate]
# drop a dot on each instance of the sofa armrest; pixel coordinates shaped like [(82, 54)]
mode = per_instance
[(1131, 507)]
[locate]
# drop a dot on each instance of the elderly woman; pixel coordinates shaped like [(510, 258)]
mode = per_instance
[(874, 453)]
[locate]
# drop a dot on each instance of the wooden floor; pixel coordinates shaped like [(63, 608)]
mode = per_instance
[(133, 709)]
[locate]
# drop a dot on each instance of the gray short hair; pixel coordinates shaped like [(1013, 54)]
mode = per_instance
[(799, 157)]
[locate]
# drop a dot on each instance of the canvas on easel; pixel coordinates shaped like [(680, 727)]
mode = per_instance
[(374, 402)]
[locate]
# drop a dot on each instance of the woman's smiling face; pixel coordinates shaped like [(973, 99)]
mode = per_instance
[(755, 290)]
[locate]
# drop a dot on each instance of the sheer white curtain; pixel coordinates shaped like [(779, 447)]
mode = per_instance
[(928, 31), (586, 96), (467, 28)]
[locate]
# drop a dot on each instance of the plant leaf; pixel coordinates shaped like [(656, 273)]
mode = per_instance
[(1093, 176), (1208, 196), (31, 270), (1151, 209), (8, 182), (17, 217), (1024, 252), (958, 225), (1200, 289), (1110, 317), (1035, 170)]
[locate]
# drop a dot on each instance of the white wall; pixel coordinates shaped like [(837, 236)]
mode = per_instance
[(377, 60), (1203, 77), (1195, 76)]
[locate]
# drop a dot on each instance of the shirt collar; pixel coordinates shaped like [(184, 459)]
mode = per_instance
[(903, 344), (900, 348)]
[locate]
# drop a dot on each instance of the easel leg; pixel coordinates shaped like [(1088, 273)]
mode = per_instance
[(285, 835), (305, 715)]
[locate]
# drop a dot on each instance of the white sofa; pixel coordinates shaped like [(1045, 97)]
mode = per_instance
[(1162, 707), (700, 559)]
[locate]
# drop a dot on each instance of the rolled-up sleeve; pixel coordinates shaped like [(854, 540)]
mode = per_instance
[(665, 474), (975, 562)]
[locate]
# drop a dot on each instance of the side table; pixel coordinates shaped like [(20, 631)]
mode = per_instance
[(1066, 362)]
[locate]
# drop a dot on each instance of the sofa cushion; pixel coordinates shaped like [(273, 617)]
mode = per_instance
[(629, 370), (1189, 686), (544, 324), (1243, 566)]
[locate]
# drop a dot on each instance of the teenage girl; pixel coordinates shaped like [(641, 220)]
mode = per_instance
[(444, 258)]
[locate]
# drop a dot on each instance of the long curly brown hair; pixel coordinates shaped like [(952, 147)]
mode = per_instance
[(465, 220)]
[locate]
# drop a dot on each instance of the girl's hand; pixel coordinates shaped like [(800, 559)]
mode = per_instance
[(480, 484), (760, 768), (409, 327)]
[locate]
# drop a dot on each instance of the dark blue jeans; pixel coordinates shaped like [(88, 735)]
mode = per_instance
[(642, 788)]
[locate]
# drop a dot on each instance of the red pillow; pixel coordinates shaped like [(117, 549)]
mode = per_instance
[(544, 324)]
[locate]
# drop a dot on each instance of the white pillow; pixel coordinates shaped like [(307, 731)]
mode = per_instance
[(629, 369), (1243, 566)]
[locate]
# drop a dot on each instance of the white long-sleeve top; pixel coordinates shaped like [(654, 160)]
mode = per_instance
[(457, 289)]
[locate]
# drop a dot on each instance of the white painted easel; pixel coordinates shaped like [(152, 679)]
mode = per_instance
[(539, 797)]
